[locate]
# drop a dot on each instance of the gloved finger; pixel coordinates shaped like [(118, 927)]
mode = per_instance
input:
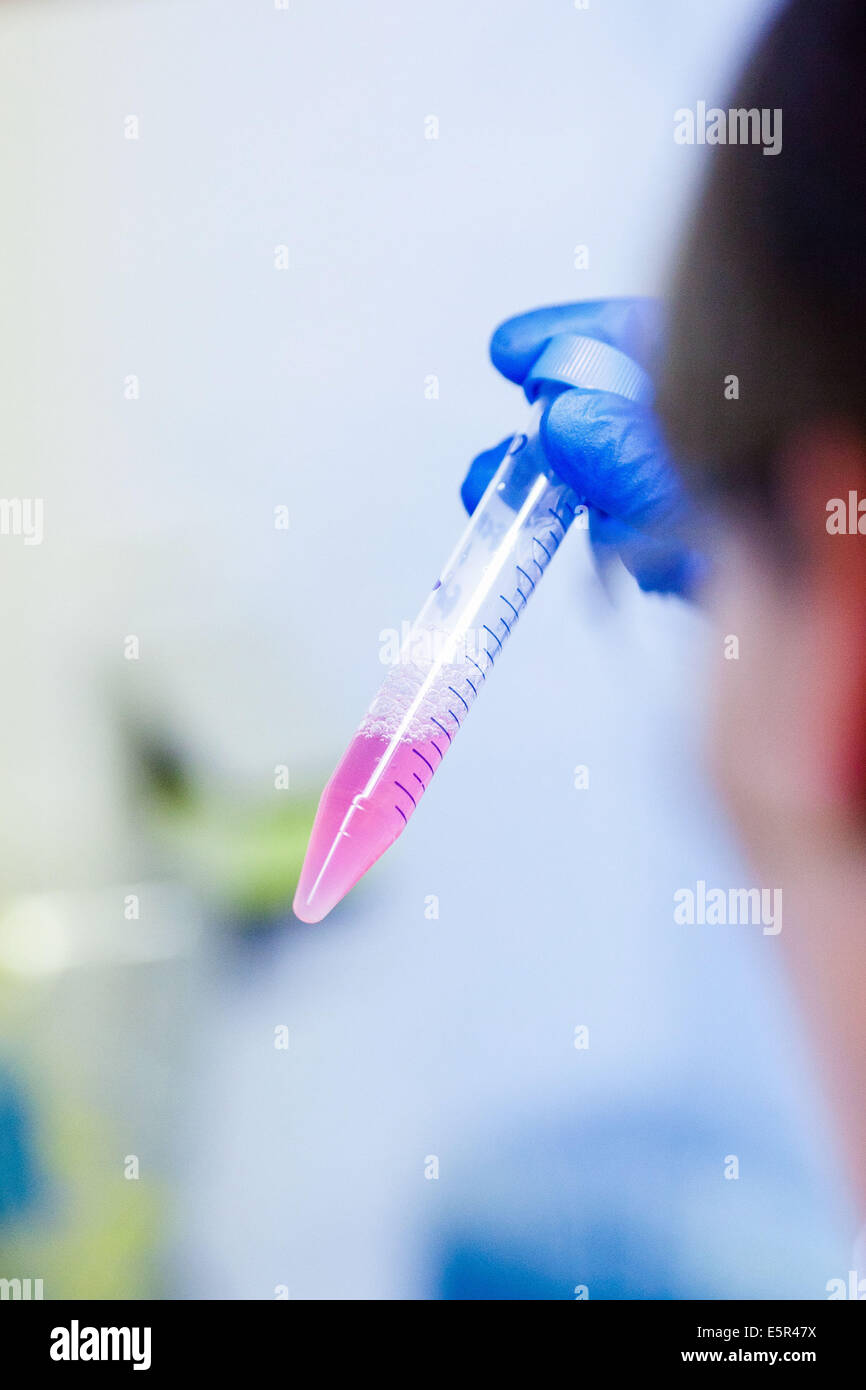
[(634, 326), (611, 452), (660, 565), (481, 470)]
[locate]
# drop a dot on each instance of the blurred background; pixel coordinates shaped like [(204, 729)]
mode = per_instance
[(240, 284)]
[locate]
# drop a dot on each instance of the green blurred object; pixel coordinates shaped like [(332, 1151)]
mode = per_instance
[(93, 1233), (246, 856)]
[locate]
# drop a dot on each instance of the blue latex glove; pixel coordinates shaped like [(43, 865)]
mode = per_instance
[(609, 450)]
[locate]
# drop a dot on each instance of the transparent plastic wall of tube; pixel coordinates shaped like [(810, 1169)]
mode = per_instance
[(453, 646), (446, 659)]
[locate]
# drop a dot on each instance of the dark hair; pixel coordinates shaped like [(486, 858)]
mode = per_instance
[(771, 286)]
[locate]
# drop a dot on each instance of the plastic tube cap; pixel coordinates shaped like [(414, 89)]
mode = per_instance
[(570, 359)]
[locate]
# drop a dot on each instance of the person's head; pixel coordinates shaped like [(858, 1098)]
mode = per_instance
[(764, 402)]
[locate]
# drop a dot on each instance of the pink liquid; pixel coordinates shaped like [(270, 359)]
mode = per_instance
[(363, 809)]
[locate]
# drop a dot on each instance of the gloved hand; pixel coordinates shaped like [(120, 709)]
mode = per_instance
[(608, 449)]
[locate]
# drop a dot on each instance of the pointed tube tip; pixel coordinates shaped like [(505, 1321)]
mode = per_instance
[(329, 873), (345, 842), (313, 907)]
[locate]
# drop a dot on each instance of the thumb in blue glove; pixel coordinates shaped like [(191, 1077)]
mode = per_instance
[(609, 450)]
